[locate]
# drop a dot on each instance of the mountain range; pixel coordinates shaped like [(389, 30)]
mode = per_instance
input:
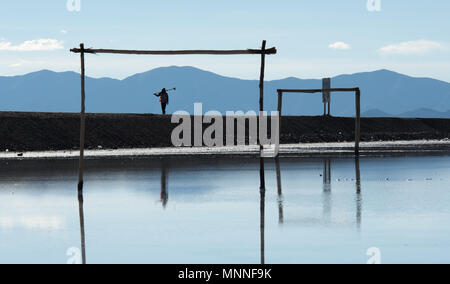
[(384, 93), (418, 113)]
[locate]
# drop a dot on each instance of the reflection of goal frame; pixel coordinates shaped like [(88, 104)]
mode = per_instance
[(313, 91), (263, 51)]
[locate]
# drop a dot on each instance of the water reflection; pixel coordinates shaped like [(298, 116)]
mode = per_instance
[(164, 182), (262, 191), (218, 210), (280, 192), (327, 191), (358, 193), (327, 199), (327, 195), (81, 212)]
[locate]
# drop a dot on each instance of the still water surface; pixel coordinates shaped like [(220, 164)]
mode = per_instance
[(213, 211)]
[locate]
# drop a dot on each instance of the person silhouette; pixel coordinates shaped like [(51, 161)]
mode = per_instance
[(164, 99)]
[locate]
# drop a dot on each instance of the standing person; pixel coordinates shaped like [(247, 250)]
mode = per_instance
[(164, 99)]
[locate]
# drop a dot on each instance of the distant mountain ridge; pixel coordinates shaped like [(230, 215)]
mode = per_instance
[(383, 92), (417, 113)]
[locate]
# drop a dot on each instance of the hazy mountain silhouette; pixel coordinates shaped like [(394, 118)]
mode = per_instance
[(376, 113), (418, 113), (382, 90), (425, 112)]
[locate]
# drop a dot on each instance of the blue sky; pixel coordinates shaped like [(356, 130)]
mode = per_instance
[(314, 38)]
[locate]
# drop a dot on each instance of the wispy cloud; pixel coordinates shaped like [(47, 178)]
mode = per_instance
[(417, 47), (33, 45), (20, 63), (27, 63), (340, 45), (64, 32)]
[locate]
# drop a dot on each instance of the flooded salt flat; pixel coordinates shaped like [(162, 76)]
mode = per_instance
[(211, 210)]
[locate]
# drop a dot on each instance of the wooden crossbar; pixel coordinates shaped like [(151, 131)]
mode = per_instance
[(270, 51), (312, 91)]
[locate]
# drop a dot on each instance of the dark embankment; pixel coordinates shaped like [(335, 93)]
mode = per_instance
[(57, 131)]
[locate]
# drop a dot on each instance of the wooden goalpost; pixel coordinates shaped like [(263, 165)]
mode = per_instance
[(82, 51), (357, 92)]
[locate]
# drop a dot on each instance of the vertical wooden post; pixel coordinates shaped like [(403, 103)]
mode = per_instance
[(261, 109), (329, 106), (280, 103), (261, 81), (83, 119), (81, 165), (280, 112), (358, 122), (261, 159), (358, 127)]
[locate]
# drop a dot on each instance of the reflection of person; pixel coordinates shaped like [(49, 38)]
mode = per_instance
[(164, 192), (327, 175), (164, 99)]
